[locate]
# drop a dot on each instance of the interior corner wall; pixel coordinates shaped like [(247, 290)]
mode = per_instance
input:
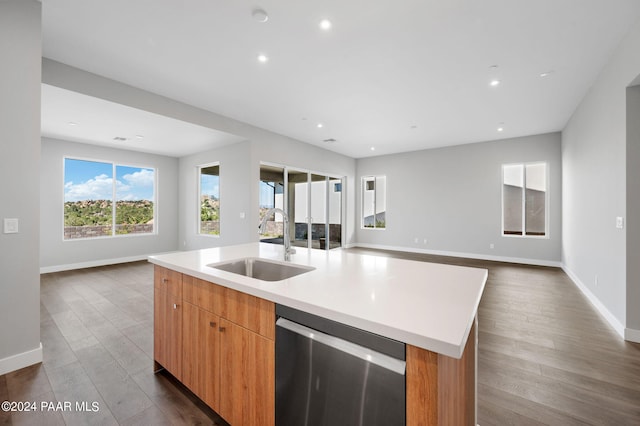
[(451, 197), (239, 185), (57, 254), (20, 54), (633, 212), (235, 190), (594, 185)]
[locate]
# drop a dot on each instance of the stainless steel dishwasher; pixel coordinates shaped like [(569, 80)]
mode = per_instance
[(328, 373)]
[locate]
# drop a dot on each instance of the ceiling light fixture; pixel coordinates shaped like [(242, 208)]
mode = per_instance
[(494, 82), (71, 123), (546, 74), (325, 24), (373, 148), (319, 125), (262, 58), (139, 137), (259, 15), (500, 127)]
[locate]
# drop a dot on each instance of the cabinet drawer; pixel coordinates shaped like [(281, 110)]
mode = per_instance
[(203, 294), (168, 280), (250, 312)]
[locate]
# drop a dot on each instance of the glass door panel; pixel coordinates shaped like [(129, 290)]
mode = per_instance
[(334, 239), (298, 207), (318, 221), (272, 195)]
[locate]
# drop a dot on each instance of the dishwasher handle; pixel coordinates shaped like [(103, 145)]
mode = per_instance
[(369, 355)]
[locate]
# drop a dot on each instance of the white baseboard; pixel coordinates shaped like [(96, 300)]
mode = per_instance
[(632, 335), (18, 361), (608, 316), (536, 262), (92, 264)]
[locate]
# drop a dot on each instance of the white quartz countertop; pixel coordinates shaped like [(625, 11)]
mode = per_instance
[(428, 305)]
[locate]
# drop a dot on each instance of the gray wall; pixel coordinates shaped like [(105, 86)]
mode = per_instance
[(239, 162), (235, 192), (633, 210), (20, 53), (594, 184), (57, 254), (452, 198), (239, 183)]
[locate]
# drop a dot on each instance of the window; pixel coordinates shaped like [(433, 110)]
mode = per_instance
[(524, 199), (93, 188), (374, 202), (209, 199)]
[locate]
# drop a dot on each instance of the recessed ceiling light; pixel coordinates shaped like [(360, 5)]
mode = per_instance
[(325, 24), (500, 129), (72, 123), (373, 148), (319, 125), (495, 82), (260, 15), (546, 74), (262, 58), (139, 137)]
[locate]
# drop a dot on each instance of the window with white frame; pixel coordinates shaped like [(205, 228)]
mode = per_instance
[(209, 199), (524, 199), (104, 199), (374, 202)]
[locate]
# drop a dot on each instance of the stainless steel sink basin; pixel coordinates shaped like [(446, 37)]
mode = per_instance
[(261, 269)]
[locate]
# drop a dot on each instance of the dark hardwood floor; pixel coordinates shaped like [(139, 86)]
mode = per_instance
[(546, 357)]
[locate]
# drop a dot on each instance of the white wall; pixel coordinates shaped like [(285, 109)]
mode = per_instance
[(20, 53), (57, 254), (452, 198), (594, 185)]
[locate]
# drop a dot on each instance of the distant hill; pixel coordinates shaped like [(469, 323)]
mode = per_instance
[(98, 212)]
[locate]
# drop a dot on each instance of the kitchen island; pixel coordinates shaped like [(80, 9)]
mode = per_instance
[(430, 307)]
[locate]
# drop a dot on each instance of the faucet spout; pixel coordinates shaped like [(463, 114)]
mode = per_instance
[(287, 241)]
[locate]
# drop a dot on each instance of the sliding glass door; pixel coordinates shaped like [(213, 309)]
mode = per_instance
[(313, 202)]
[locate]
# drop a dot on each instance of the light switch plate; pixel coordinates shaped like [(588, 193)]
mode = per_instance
[(11, 225)]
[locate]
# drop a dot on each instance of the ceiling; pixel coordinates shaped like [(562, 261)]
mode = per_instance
[(390, 75)]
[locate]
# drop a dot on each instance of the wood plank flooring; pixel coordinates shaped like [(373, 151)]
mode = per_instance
[(545, 357), (97, 336)]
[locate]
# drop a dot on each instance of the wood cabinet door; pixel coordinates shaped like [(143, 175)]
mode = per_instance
[(174, 341), (201, 353), (167, 331), (247, 376), (160, 333)]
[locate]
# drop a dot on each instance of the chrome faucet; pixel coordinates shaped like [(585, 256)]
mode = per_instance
[(287, 241)]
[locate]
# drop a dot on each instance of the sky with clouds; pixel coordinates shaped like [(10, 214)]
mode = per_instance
[(90, 180)]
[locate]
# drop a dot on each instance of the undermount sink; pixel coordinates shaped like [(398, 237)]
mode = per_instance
[(262, 269)]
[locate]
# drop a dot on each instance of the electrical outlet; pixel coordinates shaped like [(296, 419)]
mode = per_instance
[(619, 222), (425, 241), (11, 226), (415, 240), (491, 246)]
